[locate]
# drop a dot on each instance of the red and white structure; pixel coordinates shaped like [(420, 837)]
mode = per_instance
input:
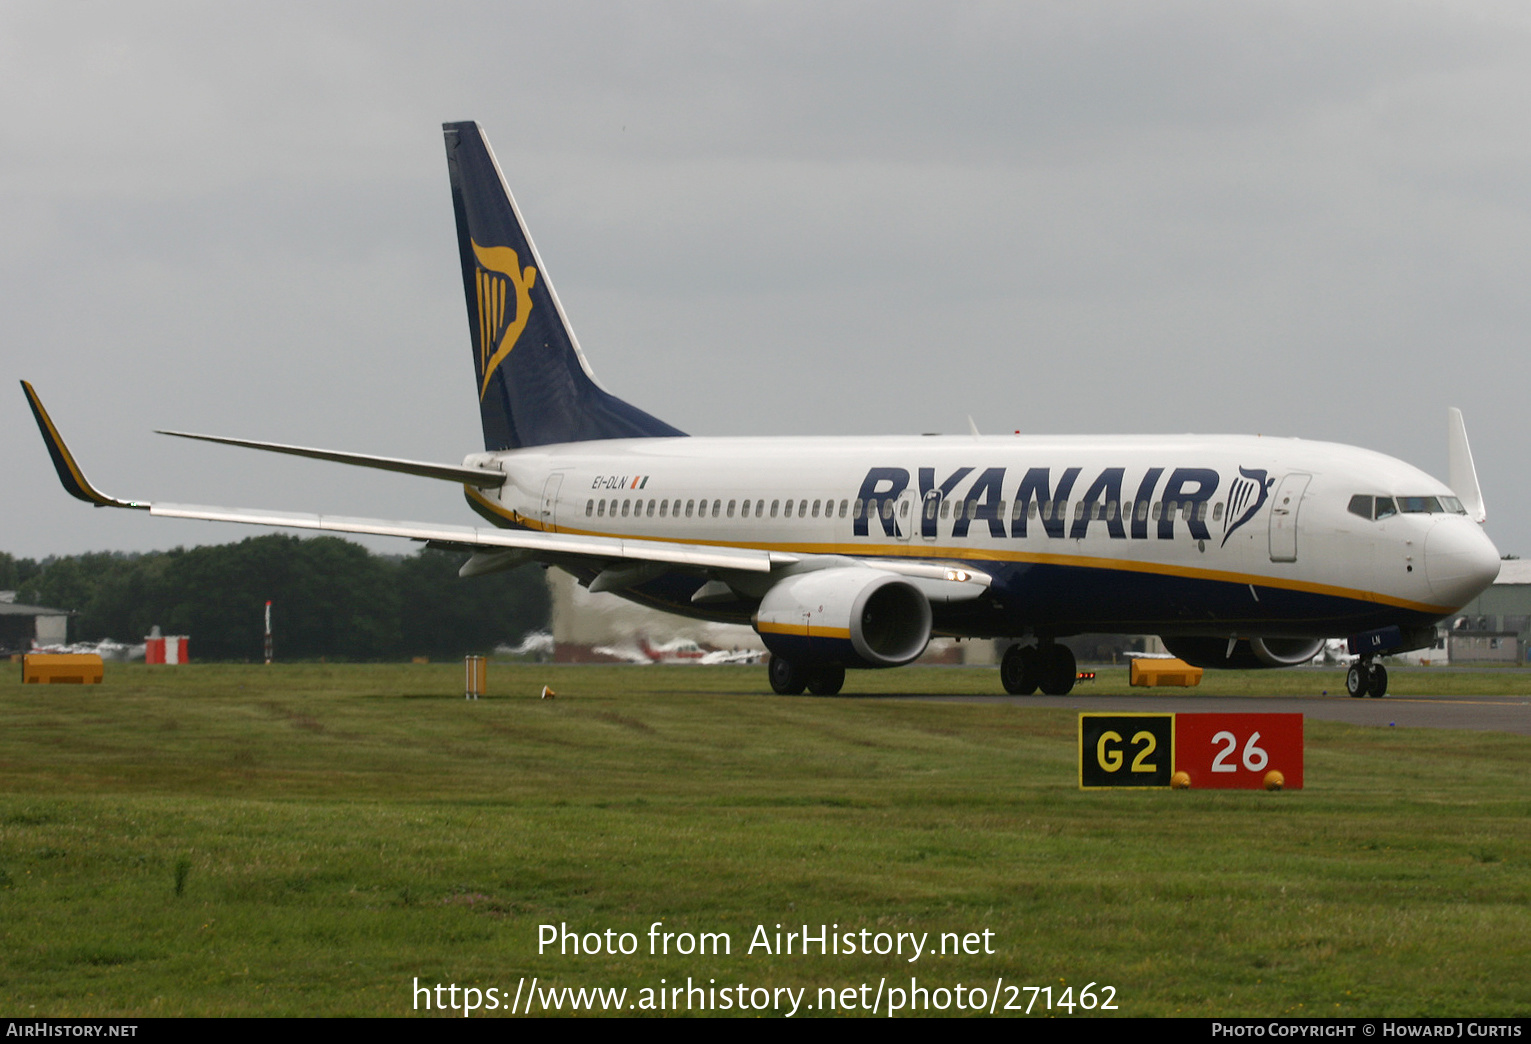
[(170, 649)]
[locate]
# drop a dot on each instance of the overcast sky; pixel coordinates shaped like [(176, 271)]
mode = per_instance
[(1292, 219)]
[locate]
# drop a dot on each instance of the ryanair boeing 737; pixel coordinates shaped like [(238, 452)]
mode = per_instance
[(843, 553)]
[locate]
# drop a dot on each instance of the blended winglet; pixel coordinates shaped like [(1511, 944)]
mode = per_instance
[(1461, 475), (69, 472)]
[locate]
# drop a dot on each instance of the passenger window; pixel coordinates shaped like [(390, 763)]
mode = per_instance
[(816, 504), (844, 504), (887, 509), (625, 505), (1111, 510), (1079, 510), (946, 508), (717, 506), (689, 505), (663, 508), (1047, 510), (1031, 509), (1201, 511), (1158, 508), (856, 507), (600, 509), (802, 509), (589, 508), (1217, 511), (731, 504), (760, 509), (776, 503), (787, 511)]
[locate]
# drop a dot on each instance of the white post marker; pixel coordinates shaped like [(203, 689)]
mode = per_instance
[(476, 670)]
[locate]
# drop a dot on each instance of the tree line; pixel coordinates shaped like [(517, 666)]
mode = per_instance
[(330, 598)]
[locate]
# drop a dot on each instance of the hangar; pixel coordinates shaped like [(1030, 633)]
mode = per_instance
[(1495, 627), (22, 625)]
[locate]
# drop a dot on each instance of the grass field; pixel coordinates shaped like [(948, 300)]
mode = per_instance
[(311, 839)]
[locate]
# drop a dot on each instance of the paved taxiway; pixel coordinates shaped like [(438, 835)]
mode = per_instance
[(1489, 713)]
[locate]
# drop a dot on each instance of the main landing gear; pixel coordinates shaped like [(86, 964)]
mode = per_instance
[(790, 678), (1027, 668), (1366, 677)]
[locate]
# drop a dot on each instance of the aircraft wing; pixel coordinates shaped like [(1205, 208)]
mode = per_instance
[(488, 539), (941, 581), (468, 537)]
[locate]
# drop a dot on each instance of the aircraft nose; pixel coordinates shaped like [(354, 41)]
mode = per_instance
[(1460, 561)]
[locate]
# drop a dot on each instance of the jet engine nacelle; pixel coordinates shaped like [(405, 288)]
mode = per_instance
[(1247, 653), (852, 616)]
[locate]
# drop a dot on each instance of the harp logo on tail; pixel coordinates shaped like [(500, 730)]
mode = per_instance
[(1248, 494), (500, 322)]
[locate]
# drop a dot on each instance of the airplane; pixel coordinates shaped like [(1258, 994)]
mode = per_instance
[(1239, 551)]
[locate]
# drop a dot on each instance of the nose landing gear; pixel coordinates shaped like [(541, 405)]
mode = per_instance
[(1366, 677)]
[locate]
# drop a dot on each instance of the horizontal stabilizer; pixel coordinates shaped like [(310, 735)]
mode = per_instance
[(483, 478), (1461, 475)]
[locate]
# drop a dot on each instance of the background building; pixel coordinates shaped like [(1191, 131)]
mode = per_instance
[(21, 625), (1496, 626)]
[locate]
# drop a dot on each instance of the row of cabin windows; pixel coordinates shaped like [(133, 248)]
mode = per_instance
[(715, 509), (1047, 510), (1058, 510)]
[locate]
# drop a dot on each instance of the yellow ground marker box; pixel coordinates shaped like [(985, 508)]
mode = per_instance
[(66, 668), (1164, 672)]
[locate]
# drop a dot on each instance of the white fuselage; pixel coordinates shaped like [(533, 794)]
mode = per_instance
[(1184, 534)]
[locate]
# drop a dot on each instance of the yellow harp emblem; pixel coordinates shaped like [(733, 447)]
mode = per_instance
[(499, 327)]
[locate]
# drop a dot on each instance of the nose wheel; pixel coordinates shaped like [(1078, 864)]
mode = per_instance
[(1366, 678)]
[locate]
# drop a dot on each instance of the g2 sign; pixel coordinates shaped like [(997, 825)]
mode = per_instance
[(1212, 751)]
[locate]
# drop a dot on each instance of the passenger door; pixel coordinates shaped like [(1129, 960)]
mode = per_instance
[(1283, 524)]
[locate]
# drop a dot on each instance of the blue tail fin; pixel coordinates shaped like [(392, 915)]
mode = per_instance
[(534, 386)]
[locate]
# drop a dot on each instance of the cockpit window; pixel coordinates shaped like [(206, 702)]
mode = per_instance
[(1374, 507), (1386, 507)]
